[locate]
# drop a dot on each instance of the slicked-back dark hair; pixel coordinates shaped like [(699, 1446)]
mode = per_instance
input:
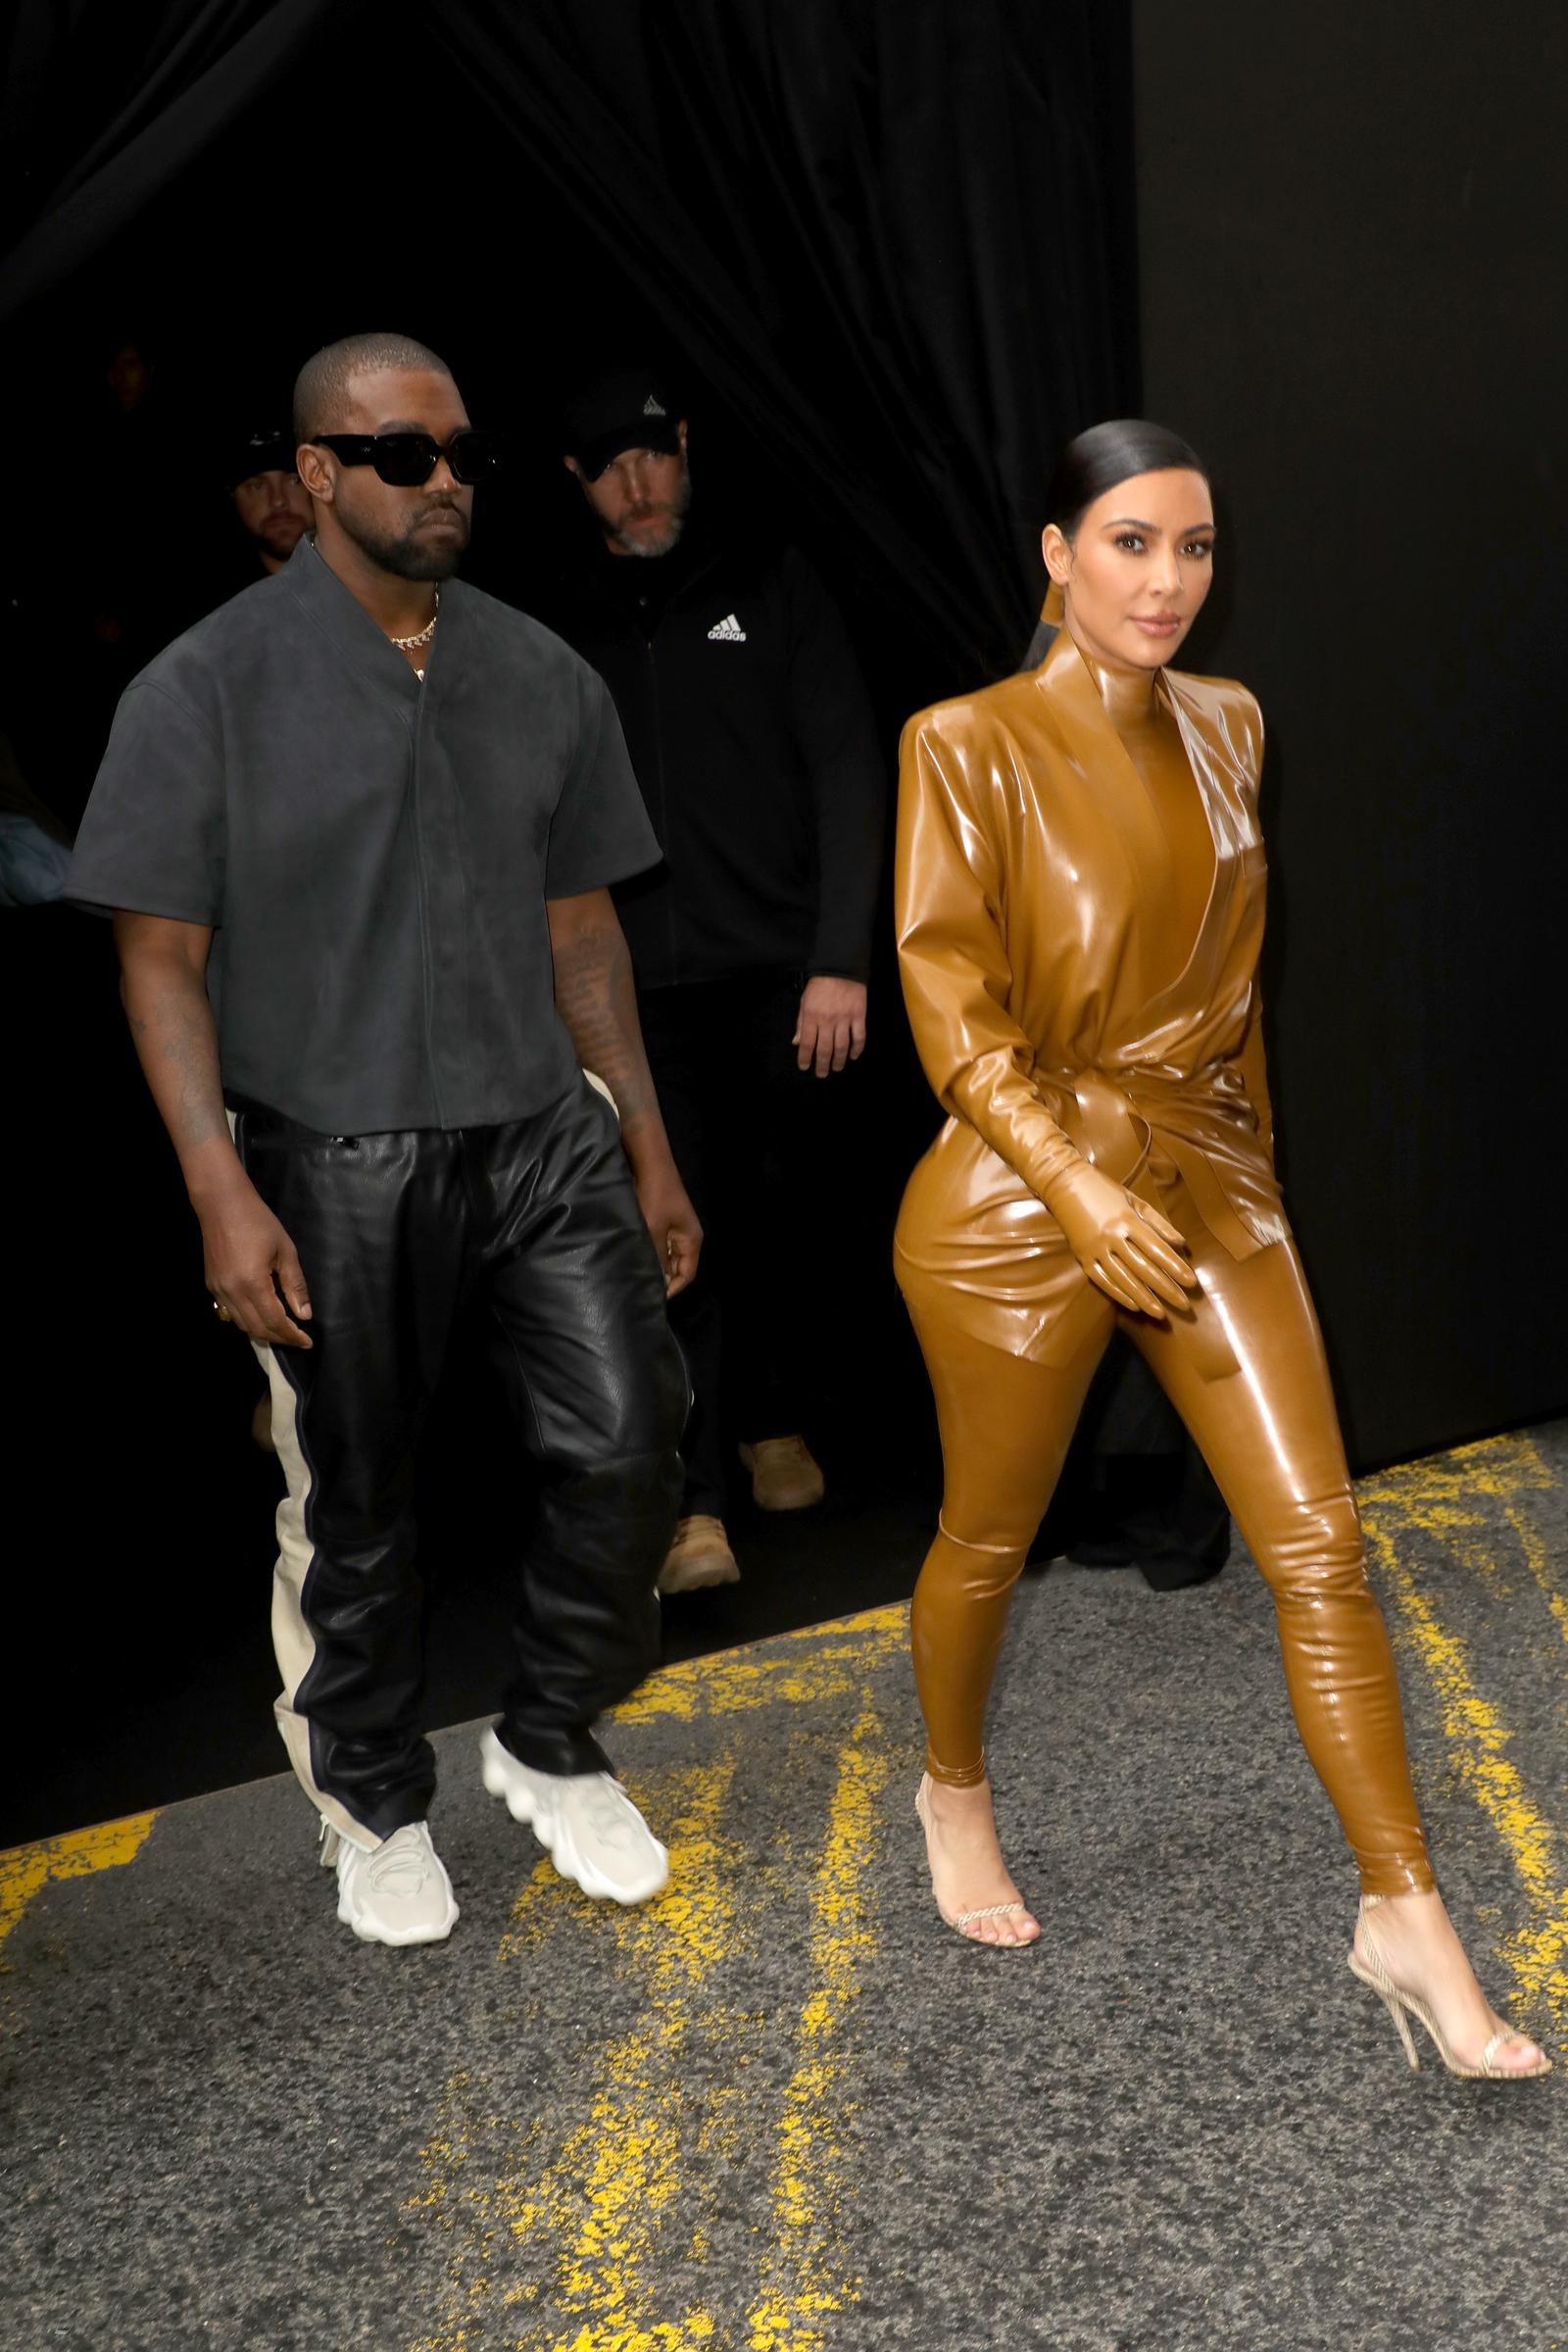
[(322, 384), (1107, 454)]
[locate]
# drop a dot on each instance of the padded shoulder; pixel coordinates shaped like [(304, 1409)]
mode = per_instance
[(957, 721)]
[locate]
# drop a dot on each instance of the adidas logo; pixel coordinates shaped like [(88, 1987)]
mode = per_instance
[(650, 407), (729, 631)]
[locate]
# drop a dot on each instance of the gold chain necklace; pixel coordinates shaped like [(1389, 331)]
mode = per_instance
[(412, 645)]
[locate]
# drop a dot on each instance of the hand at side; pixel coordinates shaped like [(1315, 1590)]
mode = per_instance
[(597, 999), (830, 1026), (252, 1266)]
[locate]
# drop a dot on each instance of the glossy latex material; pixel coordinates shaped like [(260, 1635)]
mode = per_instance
[(1079, 954)]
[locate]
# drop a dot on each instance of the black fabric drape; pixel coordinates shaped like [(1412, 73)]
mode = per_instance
[(104, 103), (897, 241)]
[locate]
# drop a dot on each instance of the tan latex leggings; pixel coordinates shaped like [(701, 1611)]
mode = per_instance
[(1247, 1373)]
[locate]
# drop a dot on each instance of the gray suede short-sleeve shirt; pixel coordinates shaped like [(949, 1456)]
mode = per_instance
[(374, 854)]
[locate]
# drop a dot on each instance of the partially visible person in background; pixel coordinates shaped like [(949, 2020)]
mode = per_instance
[(752, 740), (100, 566), (34, 846), (107, 557), (270, 501), (140, 581)]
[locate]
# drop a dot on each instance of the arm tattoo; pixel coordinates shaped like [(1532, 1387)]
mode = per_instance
[(598, 1001)]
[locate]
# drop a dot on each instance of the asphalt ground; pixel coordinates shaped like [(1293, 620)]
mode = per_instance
[(782, 2108)]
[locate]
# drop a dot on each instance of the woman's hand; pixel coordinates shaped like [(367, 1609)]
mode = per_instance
[(1133, 1253)]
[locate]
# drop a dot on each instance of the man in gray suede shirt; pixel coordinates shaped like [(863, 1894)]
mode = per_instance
[(372, 850), (357, 830)]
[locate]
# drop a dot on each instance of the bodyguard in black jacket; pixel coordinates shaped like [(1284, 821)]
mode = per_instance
[(752, 738), (753, 742)]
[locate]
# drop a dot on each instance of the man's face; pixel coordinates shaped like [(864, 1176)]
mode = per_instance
[(418, 534), (641, 498), (274, 507)]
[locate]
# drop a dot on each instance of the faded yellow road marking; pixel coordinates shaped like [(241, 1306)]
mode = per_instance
[(571, 2232), (1427, 1497), (1532, 1544), (801, 1668), (28, 1868), (804, 2277), (609, 2193)]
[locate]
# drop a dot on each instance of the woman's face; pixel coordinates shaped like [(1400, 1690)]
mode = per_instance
[(1138, 569)]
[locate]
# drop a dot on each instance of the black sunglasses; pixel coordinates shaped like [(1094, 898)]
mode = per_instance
[(406, 460)]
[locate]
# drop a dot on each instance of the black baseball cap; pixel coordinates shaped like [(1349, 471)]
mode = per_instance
[(260, 453), (626, 408)]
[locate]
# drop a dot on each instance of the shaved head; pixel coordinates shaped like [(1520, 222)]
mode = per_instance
[(323, 388)]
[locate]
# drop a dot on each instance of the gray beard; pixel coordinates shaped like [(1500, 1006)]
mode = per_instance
[(661, 546), (668, 538)]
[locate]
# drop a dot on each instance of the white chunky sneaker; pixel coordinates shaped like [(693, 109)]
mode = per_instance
[(589, 1826), (397, 1892)]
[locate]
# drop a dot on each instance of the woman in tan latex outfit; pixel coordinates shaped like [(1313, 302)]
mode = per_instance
[(1080, 905)]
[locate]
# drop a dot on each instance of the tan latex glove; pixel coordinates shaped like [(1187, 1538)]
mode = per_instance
[(1126, 1246)]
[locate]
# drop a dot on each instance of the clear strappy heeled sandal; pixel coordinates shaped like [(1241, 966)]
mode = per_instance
[(1402, 2006), (960, 1922)]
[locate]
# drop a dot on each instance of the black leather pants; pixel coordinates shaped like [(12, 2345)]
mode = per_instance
[(395, 1233)]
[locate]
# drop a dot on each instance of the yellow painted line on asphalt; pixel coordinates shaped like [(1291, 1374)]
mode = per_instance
[(27, 1869), (606, 2200), (1429, 1498), (799, 1669), (1532, 1544), (1507, 1471), (1512, 1470), (805, 2268), (564, 2240), (565, 2232)]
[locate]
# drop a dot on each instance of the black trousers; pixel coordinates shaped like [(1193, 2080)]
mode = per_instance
[(396, 1233), (753, 1137)]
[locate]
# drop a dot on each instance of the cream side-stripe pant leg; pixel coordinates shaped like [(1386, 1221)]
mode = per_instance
[(292, 1639)]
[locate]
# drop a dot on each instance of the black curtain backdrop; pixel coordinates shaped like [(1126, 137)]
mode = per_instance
[(104, 104), (898, 237), (1354, 300), (896, 241)]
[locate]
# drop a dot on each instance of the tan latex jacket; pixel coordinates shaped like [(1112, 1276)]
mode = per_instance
[(1054, 1012)]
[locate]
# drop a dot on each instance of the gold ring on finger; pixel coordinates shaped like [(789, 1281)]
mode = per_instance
[(221, 1311)]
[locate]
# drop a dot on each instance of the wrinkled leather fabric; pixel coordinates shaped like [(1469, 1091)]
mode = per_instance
[(396, 1233)]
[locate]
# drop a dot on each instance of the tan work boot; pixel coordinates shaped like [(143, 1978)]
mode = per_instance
[(699, 1555), (784, 1476)]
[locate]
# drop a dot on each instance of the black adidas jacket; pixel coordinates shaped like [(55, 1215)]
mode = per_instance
[(752, 741)]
